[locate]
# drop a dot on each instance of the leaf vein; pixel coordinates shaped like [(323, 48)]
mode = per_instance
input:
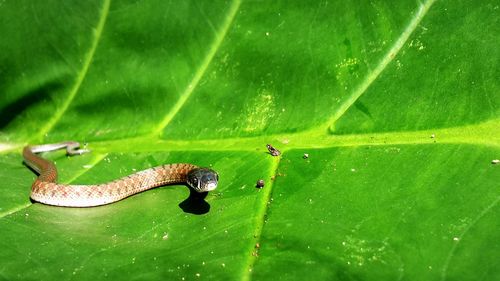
[(455, 245), (92, 164), (14, 210), (219, 38), (81, 75), (259, 223), (388, 58)]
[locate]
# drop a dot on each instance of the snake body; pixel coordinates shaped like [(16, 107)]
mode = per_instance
[(46, 190)]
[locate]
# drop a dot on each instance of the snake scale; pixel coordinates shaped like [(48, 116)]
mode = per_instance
[(46, 190)]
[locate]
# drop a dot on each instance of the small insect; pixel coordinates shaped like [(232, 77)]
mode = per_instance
[(273, 151), (306, 155), (260, 184), (495, 161)]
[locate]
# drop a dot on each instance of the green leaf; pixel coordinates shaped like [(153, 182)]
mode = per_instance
[(396, 104)]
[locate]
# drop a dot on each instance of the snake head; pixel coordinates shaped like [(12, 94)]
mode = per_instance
[(202, 179)]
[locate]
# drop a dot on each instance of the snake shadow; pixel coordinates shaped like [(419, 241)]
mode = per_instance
[(195, 203)]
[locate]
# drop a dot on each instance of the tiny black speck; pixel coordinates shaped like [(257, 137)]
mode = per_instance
[(260, 184)]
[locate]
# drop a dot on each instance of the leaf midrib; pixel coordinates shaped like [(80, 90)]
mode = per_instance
[(485, 133)]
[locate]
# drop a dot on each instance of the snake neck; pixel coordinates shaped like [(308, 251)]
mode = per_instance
[(46, 169)]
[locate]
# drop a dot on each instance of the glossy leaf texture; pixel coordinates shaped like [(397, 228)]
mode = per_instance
[(387, 114)]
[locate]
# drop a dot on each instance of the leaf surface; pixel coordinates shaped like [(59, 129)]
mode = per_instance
[(396, 105)]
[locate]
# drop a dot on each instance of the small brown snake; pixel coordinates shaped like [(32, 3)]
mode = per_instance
[(46, 190)]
